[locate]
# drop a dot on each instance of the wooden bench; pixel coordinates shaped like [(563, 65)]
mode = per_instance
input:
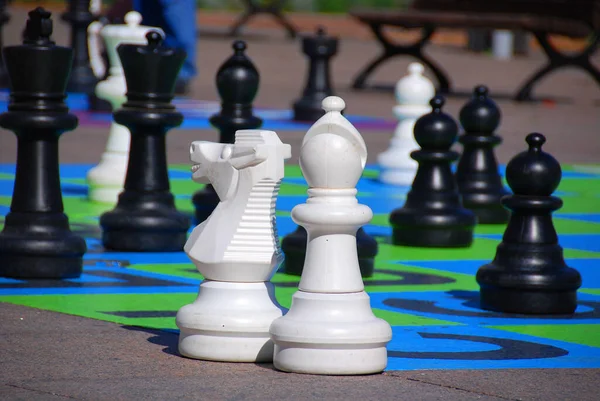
[(255, 7), (542, 18)]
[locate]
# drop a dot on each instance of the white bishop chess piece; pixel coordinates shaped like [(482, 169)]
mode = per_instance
[(330, 327), (106, 180), (236, 250), (413, 93)]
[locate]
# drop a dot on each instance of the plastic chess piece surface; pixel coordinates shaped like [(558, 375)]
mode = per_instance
[(36, 241), (319, 49), (236, 249), (145, 218), (479, 182), (105, 181), (79, 17), (237, 83), (413, 93), (433, 215), (528, 274), (330, 327)]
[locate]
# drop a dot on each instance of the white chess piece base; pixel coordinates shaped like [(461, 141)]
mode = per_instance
[(229, 322), (330, 334)]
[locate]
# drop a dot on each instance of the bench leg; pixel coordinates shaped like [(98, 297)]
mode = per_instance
[(251, 9), (558, 60), (391, 50)]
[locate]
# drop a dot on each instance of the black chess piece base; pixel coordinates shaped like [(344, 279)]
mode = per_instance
[(309, 108), (205, 201), (98, 105), (40, 246), (435, 229), (294, 247)]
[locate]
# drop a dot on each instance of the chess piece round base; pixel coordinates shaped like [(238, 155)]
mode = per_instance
[(528, 302), (434, 229), (330, 334), (98, 105), (294, 248), (205, 201), (50, 253), (105, 181), (144, 230), (229, 322), (309, 109)]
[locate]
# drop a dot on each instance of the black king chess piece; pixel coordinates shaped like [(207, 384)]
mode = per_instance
[(528, 274), (477, 176), (237, 84), (145, 218), (433, 215), (36, 241), (319, 49)]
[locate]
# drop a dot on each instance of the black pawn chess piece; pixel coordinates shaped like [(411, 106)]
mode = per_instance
[(237, 84), (36, 241), (477, 176), (293, 246), (528, 274), (433, 215), (78, 15), (319, 49), (4, 18), (145, 218)]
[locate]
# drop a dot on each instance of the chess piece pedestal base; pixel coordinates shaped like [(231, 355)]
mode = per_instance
[(229, 322), (40, 246), (434, 229), (330, 334), (309, 108)]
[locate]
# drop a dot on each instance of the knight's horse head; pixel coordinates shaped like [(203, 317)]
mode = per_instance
[(212, 165)]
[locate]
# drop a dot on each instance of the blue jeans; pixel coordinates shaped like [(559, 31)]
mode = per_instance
[(178, 19)]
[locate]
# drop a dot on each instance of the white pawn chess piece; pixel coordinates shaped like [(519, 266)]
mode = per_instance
[(413, 93), (105, 181), (330, 327), (236, 249)]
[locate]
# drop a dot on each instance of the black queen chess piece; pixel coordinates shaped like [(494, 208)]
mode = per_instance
[(528, 274), (36, 242), (237, 83), (479, 183), (145, 218), (319, 49), (433, 215)]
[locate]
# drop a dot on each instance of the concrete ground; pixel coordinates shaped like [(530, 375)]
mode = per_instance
[(46, 355)]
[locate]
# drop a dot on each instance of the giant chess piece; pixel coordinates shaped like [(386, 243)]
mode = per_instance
[(145, 218), (330, 327), (433, 215), (319, 49), (529, 274), (237, 83), (479, 182), (4, 18), (82, 78), (413, 93), (236, 249), (105, 181), (36, 241)]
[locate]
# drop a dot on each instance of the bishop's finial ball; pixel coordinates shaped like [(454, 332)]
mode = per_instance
[(321, 31), (416, 68), (533, 172), (333, 103), (480, 115), (437, 130), (239, 46)]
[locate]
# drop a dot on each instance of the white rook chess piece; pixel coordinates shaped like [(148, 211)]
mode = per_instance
[(236, 249), (413, 93), (330, 327), (106, 180)]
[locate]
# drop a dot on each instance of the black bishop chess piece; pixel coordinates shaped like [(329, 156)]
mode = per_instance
[(145, 218), (79, 17), (319, 49), (528, 274), (479, 182), (433, 215), (237, 84), (36, 242)]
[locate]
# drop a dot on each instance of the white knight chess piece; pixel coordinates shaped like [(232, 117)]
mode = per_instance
[(236, 250), (330, 327)]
